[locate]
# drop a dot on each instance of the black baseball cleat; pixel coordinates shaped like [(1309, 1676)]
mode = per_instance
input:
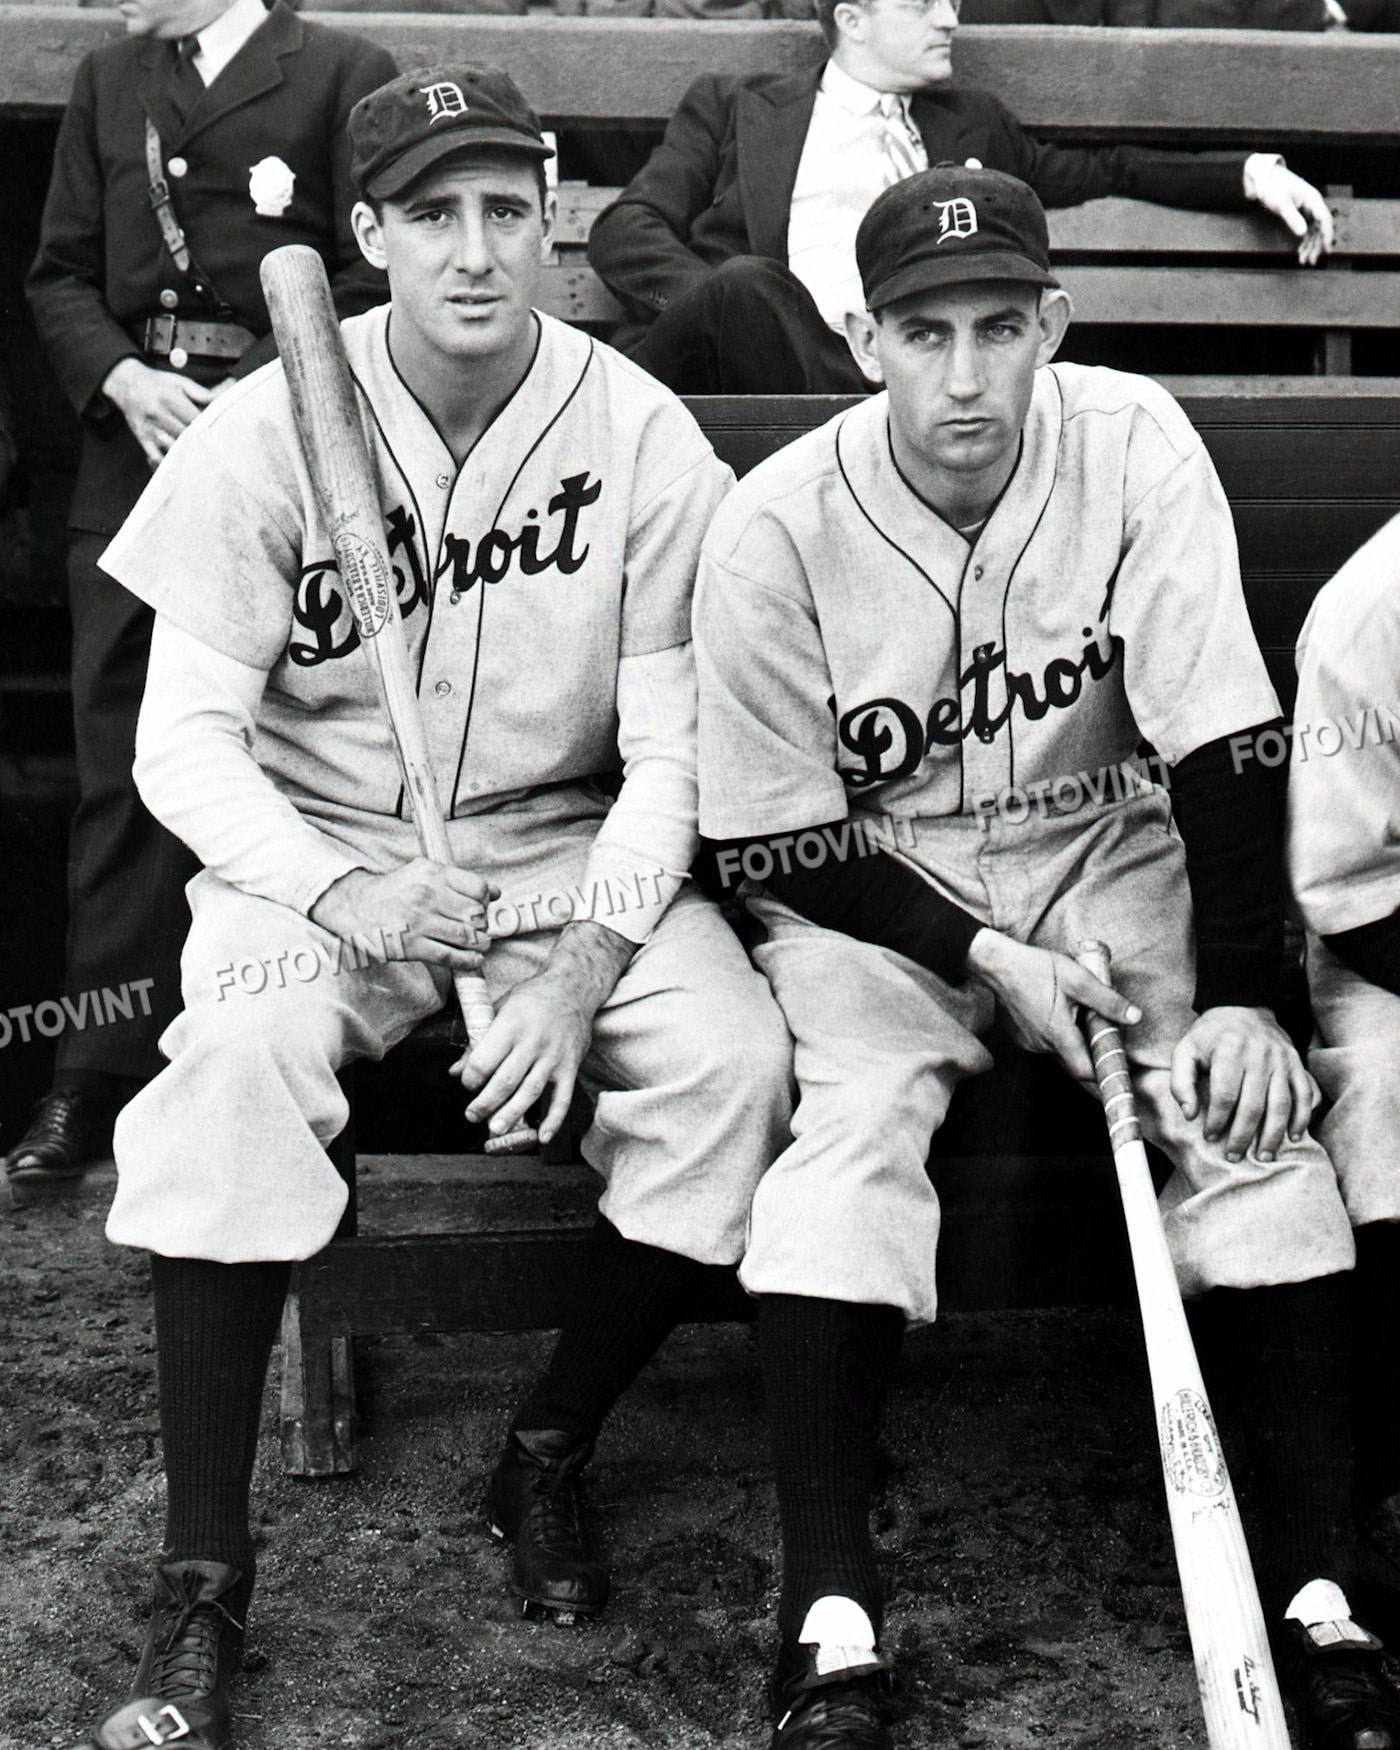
[(1376, 1584), (138, 1725), (847, 1709), (534, 1501), (69, 1129), (194, 1646), (1343, 1697)]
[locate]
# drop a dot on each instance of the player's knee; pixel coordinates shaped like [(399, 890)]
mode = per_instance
[(741, 1060), (882, 1110), (241, 1035), (747, 282)]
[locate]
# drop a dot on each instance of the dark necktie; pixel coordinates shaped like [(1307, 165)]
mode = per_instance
[(186, 87)]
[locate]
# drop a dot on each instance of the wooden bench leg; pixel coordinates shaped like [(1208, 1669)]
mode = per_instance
[(319, 1423)]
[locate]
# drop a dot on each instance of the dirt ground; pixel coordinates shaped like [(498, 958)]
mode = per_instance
[(1033, 1596)]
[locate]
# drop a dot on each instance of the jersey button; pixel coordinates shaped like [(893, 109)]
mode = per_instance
[(443, 688), (444, 481), (179, 358), (169, 298), (977, 571), (177, 167), (454, 598)]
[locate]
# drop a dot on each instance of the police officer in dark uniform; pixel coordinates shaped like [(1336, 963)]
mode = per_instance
[(214, 132)]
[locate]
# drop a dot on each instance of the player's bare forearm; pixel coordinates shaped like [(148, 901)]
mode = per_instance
[(1237, 1070), (1040, 992), (542, 1031), (437, 912)]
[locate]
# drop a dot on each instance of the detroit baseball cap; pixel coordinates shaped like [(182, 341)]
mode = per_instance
[(949, 225), (408, 125)]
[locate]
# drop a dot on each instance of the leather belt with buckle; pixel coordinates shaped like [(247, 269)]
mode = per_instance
[(165, 336)]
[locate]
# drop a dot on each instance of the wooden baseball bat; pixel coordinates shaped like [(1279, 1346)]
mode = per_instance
[(1234, 1668), (327, 416)]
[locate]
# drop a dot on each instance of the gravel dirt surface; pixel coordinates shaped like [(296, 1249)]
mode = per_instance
[(1033, 1596)]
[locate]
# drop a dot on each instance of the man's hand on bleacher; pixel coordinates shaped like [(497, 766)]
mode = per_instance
[(1303, 208)]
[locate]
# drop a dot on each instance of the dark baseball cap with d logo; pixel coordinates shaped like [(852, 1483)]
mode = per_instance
[(949, 225), (408, 125)]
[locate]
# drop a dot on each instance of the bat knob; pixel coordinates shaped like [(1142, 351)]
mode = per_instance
[(523, 1140)]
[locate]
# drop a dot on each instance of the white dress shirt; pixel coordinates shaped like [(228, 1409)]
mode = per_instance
[(224, 36), (846, 161)]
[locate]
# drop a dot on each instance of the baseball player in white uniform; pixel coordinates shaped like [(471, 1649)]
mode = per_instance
[(544, 502), (931, 636), (1343, 798)]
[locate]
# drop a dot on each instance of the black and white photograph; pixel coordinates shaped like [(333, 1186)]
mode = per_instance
[(636, 639)]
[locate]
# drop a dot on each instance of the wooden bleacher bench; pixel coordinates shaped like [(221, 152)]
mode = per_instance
[(1030, 1206), (1109, 255), (1127, 264)]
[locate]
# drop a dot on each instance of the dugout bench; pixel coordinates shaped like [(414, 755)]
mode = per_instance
[(1027, 1185)]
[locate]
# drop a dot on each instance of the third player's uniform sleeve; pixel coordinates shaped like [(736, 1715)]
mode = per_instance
[(767, 736), (1192, 666), (1344, 778)]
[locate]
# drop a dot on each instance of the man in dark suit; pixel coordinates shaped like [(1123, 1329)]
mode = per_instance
[(147, 309), (733, 249)]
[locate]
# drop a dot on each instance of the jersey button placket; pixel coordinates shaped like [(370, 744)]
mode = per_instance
[(986, 755)]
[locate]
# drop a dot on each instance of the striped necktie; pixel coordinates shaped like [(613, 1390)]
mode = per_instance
[(904, 149)]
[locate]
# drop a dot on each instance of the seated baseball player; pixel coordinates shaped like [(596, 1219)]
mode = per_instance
[(931, 636), (543, 503), (1344, 788)]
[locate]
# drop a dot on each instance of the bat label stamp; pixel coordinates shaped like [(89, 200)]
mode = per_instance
[(1191, 1455), (365, 584)]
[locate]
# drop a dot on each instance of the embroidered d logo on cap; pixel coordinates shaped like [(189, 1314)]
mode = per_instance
[(948, 225), (408, 125)]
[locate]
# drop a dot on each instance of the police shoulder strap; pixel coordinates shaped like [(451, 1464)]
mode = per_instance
[(170, 229)]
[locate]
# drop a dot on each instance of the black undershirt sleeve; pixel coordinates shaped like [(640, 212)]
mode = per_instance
[(865, 893), (1372, 951), (1230, 813)]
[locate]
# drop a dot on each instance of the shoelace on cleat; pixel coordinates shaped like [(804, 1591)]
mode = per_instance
[(188, 1662), (556, 1511)]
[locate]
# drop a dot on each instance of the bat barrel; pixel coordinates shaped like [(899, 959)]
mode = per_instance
[(1234, 1669)]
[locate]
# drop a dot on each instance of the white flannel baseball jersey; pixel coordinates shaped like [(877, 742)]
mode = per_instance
[(1344, 775), (567, 539), (855, 651)]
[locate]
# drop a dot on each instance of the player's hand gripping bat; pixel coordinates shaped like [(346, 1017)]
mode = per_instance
[(328, 426), (1235, 1672)]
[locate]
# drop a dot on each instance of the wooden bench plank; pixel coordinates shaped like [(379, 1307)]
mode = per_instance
[(1122, 297), (1365, 228), (1263, 86), (1314, 540), (1246, 297), (526, 1279), (572, 291)]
